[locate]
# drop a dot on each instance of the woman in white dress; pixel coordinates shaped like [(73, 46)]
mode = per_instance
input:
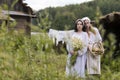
[(93, 60), (78, 69)]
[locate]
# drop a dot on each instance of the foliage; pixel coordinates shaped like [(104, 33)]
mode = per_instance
[(43, 21), (33, 58), (63, 17)]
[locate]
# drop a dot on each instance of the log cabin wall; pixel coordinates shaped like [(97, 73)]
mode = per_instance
[(111, 23), (22, 23)]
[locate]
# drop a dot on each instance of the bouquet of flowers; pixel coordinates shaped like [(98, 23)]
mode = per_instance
[(77, 44)]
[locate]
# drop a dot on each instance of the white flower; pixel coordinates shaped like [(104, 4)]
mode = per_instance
[(77, 43)]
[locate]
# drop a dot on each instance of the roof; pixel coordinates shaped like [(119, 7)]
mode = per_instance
[(110, 14), (17, 13), (5, 17)]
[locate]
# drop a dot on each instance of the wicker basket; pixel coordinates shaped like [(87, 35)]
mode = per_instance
[(97, 48)]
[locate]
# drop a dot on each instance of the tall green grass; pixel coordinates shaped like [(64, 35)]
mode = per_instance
[(33, 58)]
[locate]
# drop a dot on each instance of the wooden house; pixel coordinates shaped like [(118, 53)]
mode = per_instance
[(19, 12), (111, 23)]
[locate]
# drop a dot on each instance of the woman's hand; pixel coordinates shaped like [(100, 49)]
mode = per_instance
[(72, 52), (89, 48)]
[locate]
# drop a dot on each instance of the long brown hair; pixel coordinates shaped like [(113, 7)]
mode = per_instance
[(91, 29)]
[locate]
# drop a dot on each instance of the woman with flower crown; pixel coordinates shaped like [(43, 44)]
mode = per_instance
[(78, 68), (93, 60)]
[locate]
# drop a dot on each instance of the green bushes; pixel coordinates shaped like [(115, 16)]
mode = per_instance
[(32, 58)]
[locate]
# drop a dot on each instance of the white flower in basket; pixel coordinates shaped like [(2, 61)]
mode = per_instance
[(97, 48)]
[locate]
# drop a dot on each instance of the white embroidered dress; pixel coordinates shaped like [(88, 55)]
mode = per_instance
[(79, 68), (93, 61)]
